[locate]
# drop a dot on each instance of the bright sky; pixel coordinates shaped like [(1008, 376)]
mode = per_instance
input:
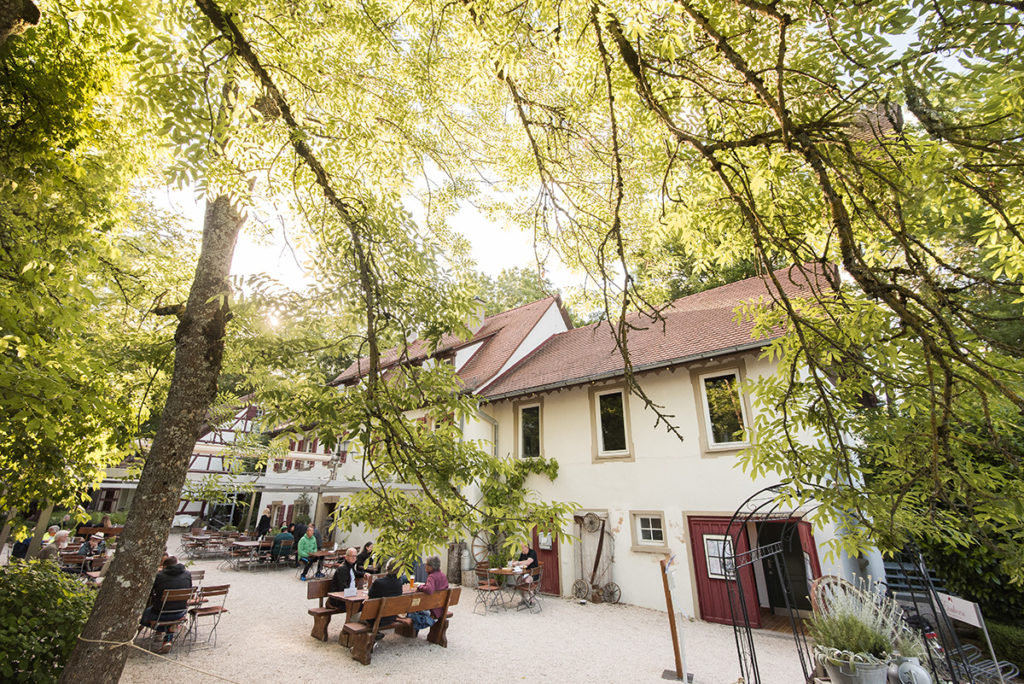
[(493, 247)]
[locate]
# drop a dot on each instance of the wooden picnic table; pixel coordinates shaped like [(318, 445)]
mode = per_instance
[(353, 604)]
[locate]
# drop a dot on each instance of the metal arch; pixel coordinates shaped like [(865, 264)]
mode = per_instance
[(761, 507)]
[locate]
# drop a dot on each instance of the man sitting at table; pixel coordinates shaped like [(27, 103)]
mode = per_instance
[(282, 536), (52, 550), (172, 575), (436, 581), (345, 576), (527, 561), (94, 546), (307, 547)]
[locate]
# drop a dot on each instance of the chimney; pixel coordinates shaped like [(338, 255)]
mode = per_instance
[(475, 319)]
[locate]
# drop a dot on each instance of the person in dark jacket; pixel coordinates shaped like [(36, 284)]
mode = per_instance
[(345, 576), (172, 575), (263, 526), (365, 557), (387, 585)]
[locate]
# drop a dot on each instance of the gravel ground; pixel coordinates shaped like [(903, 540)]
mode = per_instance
[(265, 638)]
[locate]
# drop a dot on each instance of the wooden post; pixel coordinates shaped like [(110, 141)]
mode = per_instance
[(672, 624)]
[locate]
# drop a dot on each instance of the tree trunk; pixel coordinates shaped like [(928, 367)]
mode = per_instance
[(16, 16), (6, 532), (199, 347), (41, 525)]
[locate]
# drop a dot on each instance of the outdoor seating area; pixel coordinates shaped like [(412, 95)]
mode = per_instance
[(270, 622)]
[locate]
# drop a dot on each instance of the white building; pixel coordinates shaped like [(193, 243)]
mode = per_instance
[(548, 389)]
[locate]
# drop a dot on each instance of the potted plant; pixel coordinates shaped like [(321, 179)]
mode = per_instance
[(854, 635)]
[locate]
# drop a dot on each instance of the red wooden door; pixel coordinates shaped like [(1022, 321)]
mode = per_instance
[(549, 583), (707, 537)]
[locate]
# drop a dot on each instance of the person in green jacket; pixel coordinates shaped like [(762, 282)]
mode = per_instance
[(308, 546)]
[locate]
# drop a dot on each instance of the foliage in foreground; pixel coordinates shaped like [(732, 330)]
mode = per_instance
[(42, 611)]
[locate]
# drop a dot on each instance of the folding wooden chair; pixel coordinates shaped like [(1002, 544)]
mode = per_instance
[(213, 597), (528, 588), (488, 589), (173, 624)]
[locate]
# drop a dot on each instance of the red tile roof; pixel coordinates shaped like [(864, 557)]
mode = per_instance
[(694, 327), (500, 335)]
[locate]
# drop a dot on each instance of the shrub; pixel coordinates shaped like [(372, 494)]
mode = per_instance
[(1007, 641), (847, 632), (42, 612)]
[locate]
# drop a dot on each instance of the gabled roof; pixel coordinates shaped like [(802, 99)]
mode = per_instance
[(693, 327), (498, 337)]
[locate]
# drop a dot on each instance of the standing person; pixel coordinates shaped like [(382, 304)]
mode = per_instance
[(436, 581), (346, 575), (172, 575), (263, 526), (307, 547)]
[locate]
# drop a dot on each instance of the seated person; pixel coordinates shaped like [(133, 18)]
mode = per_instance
[(20, 548), (93, 546), (345, 576), (172, 575), (436, 581), (366, 557), (52, 550), (387, 584), (307, 547), (50, 533), (282, 536), (527, 561)]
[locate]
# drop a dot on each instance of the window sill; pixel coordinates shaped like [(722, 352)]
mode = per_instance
[(613, 456), (732, 447), (643, 548)]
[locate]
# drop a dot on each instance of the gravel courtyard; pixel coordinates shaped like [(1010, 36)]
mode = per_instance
[(265, 638)]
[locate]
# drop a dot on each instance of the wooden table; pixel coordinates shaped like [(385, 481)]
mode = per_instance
[(353, 604)]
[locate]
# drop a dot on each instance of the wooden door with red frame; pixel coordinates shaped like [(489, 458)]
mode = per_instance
[(708, 540), (549, 583)]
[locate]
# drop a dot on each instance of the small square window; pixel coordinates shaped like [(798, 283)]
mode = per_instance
[(650, 530)]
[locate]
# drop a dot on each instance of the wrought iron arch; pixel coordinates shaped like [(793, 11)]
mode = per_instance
[(760, 508)]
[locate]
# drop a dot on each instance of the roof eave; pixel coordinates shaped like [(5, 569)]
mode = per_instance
[(655, 365)]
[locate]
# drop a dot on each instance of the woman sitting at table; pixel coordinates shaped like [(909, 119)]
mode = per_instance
[(366, 556)]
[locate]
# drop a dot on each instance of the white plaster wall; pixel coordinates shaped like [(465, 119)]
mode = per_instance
[(667, 475)]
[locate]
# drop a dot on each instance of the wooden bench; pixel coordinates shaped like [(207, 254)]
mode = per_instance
[(363, 635), (318, 589)]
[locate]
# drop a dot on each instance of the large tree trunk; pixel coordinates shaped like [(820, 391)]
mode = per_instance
[(199, 346), (16, 16)]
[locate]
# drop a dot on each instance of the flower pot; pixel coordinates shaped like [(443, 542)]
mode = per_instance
[(911, 672), (845, 672)]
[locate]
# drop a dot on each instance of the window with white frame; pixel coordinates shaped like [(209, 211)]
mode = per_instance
[(724, 410), (611, 417), (529, 431), (649, 534)]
